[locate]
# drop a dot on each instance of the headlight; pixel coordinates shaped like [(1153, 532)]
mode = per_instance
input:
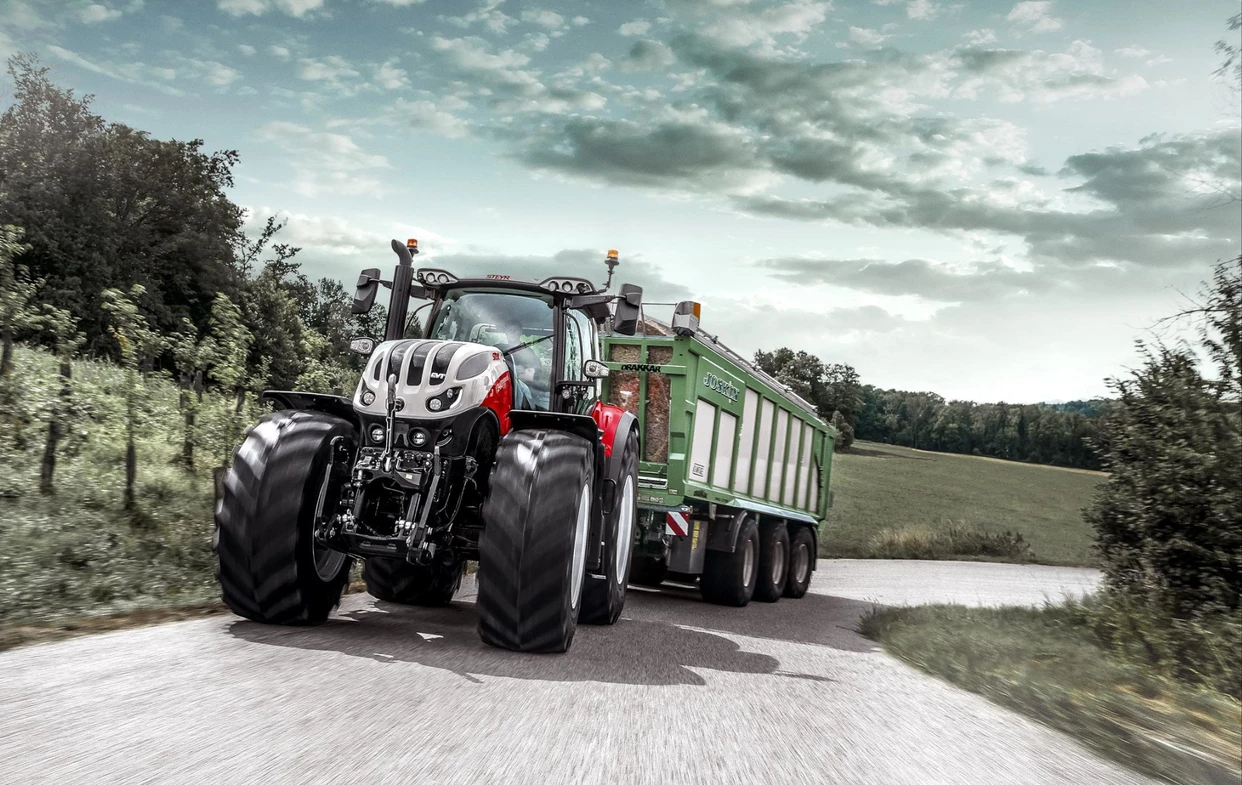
[(418, 438), (368, 398), (377, 433), (435, 404)]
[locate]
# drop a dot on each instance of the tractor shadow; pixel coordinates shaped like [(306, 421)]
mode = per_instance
[(662, 640)]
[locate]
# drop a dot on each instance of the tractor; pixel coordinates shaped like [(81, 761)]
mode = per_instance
[(476, 433)]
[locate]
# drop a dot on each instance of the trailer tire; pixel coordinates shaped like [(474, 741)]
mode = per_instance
[(648, 572), (801, 558), (268, 564), (603, 596), (729, 578), (396, 580), (773, 562), (532, 553)]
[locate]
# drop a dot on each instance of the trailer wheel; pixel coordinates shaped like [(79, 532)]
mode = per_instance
[(269, 566), (532, 554), (801, 557), (648, 572), (396, 580), (773, 562), (729, 578), (603, 596)]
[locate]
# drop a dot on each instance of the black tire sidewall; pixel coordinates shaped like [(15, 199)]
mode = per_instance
[(801, 535), (771, 538)]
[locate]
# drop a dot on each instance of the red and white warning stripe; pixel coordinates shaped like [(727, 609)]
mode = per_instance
[(676, 524)]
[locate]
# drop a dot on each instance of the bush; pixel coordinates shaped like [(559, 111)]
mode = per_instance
[(1168, 521), (923, 542)]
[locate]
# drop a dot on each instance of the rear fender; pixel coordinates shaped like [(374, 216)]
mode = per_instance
[(722, 536)]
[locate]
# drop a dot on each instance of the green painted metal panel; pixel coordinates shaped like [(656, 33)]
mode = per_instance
[(661, 378)]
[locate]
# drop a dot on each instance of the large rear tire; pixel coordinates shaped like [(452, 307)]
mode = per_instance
[(729, 578), (396, 580), (773, 562), (532, 555), (603, 596), (801, 559), (269, 566)]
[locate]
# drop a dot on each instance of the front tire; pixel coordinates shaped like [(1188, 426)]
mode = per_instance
[(729, 578), (396, 580), (532, 555), (603, 596), (269, 565)]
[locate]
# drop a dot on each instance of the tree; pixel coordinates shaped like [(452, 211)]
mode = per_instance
[(107, 207), (66, 339), (138, 345), (16, 294), (230, 341), (1168, 520)]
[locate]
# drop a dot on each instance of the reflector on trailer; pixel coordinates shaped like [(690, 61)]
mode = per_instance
[(677, 524)]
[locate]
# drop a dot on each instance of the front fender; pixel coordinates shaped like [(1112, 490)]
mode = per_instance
[(319, 402)]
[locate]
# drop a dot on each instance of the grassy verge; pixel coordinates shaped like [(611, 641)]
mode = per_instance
[(894, 503), (1068, 667), (78, 555)]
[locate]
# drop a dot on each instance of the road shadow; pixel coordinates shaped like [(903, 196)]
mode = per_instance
[(818, 619), (636, 650)]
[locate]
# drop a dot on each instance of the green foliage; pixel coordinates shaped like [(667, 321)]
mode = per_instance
[(105, 206), (1169, 520), (1037, 433), (16, 293), (952, 542), (833, 389), (80, 551), (1104, 671), (956, 507)]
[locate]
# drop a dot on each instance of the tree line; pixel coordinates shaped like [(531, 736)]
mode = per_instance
[(117, 245), (1056, 434)]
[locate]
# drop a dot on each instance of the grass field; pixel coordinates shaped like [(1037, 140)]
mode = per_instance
[(1067, 667), (897, 502)]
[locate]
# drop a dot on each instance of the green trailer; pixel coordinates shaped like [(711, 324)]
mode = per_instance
[(734, 473)]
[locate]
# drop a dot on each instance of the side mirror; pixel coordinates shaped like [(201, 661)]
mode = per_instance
[(368, 287), (628, 310), (594, 369), (363, 346)]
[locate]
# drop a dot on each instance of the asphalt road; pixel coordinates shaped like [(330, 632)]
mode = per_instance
[(677, 692)]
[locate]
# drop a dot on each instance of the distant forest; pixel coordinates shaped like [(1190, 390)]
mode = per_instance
[(1059, 434)]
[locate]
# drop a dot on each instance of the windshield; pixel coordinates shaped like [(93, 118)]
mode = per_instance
[(520, 325)]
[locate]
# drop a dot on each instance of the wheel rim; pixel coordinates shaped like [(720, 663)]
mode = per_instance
[(625, 530), (748, 562), (801, 563), (779, 563), (327, 561), (580, 538)]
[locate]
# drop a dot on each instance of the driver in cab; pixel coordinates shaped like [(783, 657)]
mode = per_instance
[(532, 376)]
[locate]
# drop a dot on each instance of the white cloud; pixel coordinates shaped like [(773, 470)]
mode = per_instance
[(980, 37), (294, 8), (400, 3), (638, 27), (866, 37), (133, 72), (1159, 60), (922, 9), (326, 163), (1035, 15), (1131, 51), (390, 77), (739, 25), (543, 18), (96, 13), (246, 49), (279, 52)]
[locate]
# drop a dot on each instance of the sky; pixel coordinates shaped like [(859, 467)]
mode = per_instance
[(988, 200)]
